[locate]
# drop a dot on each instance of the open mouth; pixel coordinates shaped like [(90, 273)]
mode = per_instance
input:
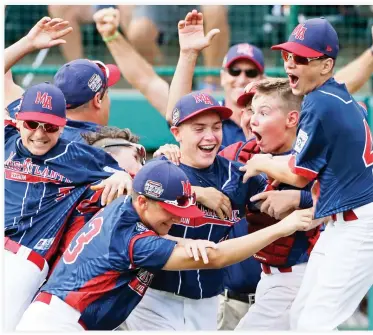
[(293, 80), (207, 148), (39, 142), (257, 136)]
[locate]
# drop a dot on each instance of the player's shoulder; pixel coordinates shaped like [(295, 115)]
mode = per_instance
[(330, 94), (226, 164)]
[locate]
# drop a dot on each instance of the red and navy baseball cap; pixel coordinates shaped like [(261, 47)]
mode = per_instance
[(313, 38), (244, 51), (81, 79), (163, 181), (196, 103), (44, 103), (248, 95)]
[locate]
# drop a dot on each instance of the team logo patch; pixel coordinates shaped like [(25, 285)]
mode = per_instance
[(44, 100), (245, 49), (153, 188), (175, 116), (140, 227), (95, 83), (301, 141), (299, 32), (203, 98)]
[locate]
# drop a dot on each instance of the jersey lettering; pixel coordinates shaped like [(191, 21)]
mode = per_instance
[(70, 255), (368, 153), (63, 192)]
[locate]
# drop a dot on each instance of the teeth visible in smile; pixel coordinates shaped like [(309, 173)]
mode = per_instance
[(207, 147)]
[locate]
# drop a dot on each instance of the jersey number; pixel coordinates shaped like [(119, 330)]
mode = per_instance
[(72, 252), (368, 153)]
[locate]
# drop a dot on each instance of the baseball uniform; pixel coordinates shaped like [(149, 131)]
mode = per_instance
[(109, 264), (334, 146), (40, 193), (188, 300)]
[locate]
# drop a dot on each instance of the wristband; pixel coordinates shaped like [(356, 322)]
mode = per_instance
[(111, 38)]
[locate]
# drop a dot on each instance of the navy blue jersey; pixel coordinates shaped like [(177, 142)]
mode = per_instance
[(40, 191), (225, 177), (334, 145), (73, 129), (232, 132), (242, 277), (107, 268)]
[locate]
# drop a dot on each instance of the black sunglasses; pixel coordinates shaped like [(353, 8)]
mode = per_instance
[(251, 73)]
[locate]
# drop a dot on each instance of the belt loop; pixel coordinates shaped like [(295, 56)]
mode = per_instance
[(226, 294)]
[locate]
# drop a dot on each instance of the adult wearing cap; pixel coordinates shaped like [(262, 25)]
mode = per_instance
[(109, 265), (85, 84), (243, 64), (333, 127)]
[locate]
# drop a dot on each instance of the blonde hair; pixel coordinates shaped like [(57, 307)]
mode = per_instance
[(281, 88)]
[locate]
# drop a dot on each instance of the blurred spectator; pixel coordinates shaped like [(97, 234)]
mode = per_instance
[(152, 26), (78, 15)]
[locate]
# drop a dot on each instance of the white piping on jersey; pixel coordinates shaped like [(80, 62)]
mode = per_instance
[(30, 224), (67, 147), (20, 240), (336, 96), (229, 175), (17, 142), (199, 284), (208, 238), (178, 290), (41, 200), (24, 197)]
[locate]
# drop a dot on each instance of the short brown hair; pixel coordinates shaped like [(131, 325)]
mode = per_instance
[(108, 135), (280, 87)]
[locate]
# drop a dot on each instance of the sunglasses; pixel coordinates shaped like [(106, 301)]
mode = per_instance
[(47, 127), (299, 60), (251, 73), (181, 202), (140, 149)]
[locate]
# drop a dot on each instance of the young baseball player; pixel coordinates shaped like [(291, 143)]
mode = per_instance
[(332, 126), (45, 177), (274, 123), (109, 264)]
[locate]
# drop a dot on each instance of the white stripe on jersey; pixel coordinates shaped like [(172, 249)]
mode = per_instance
[(41, 200), (178, 290), (199, 284), (24, 197), (229, 175), (67, 147), (336, 96), (20, 240)]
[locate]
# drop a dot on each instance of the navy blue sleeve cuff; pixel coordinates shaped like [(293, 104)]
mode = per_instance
[(305, 199)]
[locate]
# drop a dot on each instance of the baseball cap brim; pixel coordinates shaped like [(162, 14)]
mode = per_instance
[(224, 112), (245, 98), (298, 49), (183, 212), (256, 63), (41, 117), (114, 74)]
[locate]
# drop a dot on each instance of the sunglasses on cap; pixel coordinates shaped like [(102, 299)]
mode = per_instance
[(139, 148), (47, 127), (181, 202), (235, 72), (299, 60)]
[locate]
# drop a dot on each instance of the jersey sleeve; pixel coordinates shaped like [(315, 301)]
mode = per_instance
[(90, 164), (150, 251), (309, 154), (9, 129)]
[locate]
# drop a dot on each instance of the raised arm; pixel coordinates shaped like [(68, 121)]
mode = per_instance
[(12, 91), (356, 73), (192, 40), (238, 249), (46, 33), (137, 71)]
